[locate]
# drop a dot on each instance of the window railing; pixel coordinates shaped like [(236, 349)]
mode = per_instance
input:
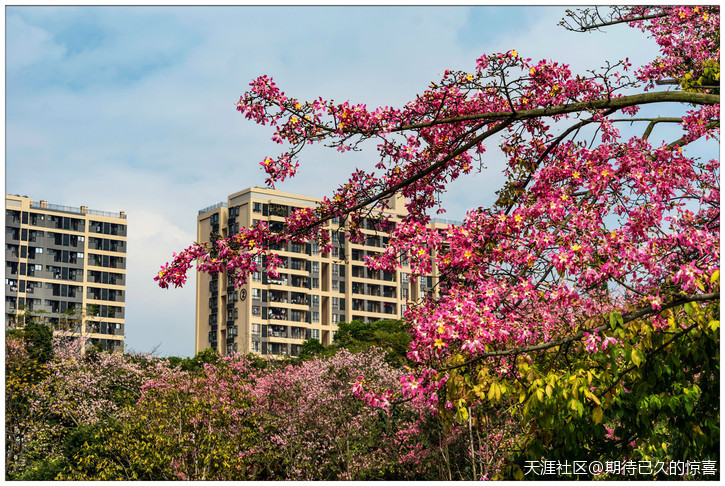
[(213, 207)]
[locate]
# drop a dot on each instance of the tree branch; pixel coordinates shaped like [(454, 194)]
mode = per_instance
[(614, 103), (431, 168), (645, 311), (585, 28)]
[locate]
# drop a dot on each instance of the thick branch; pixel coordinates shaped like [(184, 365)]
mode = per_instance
[(613, 103)]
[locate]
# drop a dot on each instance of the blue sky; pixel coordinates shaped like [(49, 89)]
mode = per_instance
[(133, 109)]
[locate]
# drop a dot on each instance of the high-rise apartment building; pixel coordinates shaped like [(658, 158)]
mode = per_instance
[(314, 291), (67, 266)]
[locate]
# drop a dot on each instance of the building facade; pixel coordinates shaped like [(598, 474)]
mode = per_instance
[(314, 291), (67, 266)]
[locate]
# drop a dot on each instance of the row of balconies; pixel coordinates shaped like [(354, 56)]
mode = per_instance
[(375, 290), (110, 278), (106, 261), (286, 297), (374, 306), (110, 328), (105, 244), (112, 295), (106, 228), (278, 313)]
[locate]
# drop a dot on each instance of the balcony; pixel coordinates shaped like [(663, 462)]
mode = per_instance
[(374, 290), (278, 296), (277, 314), (278, 210), (298, 298), (389, 292), (278, 281)]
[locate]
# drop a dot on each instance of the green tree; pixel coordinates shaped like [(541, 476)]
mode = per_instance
[(313, 348), (27, 350), (391, 335)]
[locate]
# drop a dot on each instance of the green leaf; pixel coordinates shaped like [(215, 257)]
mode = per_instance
[(637, 357), (597, 415), (494, 393)]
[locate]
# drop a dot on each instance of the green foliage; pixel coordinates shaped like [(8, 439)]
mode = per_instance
[(39, 340), (182, 428), (313, 348), (653, 397), (27, 352), (388, 334), (391, 335), (206, 356), (44, 470)]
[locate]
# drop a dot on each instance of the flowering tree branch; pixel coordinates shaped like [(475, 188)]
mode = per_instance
[(638, 314)]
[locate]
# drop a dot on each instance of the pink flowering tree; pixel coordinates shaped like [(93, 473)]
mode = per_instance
[(77, 392), (321, 430), (596, 269), (184, 426), (237, 420)]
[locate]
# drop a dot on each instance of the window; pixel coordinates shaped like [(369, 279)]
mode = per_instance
[(315, 248), (316, 334), (334, 318), (334, 285), (315, 267), (257, 207), (335, 302), (256, 293), (257, 277), (315, 283), (335, 269), (315, 300), (315, 316), (256, 311)]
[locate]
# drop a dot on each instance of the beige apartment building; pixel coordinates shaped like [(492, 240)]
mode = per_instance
[(314, 291), (67, 266)]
